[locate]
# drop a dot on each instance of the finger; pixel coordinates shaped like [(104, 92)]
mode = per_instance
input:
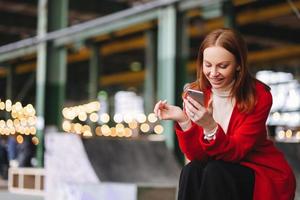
[(163, 103), (156, 107), (194, 103), (190, 107), (210, 106), (190, 114), (159, 114)]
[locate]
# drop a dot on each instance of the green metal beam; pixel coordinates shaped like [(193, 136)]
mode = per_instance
[(9, 82), (229, 14), (40, 80), (56, 65), (182, 56), (150, 58), (102, 25), (93, 72), (18, 53), (166, 64), (105, 28)]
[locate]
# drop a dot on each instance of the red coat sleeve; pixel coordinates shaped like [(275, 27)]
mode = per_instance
[(189, 142), (251, 131)]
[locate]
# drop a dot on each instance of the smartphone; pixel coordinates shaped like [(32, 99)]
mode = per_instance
[(196, 95)]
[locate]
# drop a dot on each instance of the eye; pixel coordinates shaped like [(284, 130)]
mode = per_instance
[(223, 66), (207, 65)]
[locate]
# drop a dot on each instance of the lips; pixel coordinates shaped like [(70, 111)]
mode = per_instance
[(215, 81)]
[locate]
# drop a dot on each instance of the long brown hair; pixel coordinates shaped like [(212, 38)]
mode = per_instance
[(244, 87)]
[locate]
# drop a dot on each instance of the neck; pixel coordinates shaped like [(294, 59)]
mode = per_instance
[(223, 92)]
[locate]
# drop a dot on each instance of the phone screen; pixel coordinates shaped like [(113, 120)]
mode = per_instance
[(196, 95)]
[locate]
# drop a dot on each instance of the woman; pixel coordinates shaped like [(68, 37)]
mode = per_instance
[(226, 138)]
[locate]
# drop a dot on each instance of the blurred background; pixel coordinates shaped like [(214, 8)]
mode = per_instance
[(79, 80)]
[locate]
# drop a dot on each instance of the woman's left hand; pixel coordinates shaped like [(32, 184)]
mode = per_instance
[(199, 114)]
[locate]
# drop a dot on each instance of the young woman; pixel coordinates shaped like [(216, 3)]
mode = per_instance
[(226, 138)]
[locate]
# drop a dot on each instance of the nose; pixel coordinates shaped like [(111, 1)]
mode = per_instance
[(214, 71)]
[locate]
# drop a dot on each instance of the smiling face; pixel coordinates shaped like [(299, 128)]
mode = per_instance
[(219, 66)]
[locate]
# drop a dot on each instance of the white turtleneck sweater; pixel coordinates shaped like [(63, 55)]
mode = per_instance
[(223, 106)]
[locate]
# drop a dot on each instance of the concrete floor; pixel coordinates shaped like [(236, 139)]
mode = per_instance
[(6, 195)]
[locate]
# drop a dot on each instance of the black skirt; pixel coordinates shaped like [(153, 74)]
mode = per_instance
[(216, 180)]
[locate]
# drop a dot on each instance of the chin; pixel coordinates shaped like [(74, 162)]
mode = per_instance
[(216, 86)]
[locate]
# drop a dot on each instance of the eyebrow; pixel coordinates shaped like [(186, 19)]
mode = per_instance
[(219, 62)]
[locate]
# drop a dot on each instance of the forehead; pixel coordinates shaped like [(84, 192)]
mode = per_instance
[(217, 54)]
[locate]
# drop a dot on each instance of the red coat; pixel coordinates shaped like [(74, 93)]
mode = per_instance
[(246, 143)]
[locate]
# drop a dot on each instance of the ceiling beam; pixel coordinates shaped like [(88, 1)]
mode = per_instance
[(246, 17), (262, 14), (279, 34), (264, 56)]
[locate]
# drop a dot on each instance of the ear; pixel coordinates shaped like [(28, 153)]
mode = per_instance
[(238, 68)]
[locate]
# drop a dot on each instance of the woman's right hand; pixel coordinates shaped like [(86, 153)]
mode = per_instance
[(165, 111)]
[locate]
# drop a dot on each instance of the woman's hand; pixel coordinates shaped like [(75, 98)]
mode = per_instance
[(165, 111), (199, 114)]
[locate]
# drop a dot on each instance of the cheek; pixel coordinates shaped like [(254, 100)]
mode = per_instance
[(229, 74), (206, 71)]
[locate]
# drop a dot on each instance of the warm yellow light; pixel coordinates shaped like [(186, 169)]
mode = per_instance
[(288, 133), (14, 114), (119, 127), (80, 109), (128, 118), (8, 105), (113, 132), (18, 106), (133, 125), (97, 106), (32, 130), (77, 128), (85, 128), (67, 126), (9, 123), (31, 121), (20, 114), (88, 108), (23, 121), (12, 130), (152, 118), (65, 113), (20, 139), (145, 128), (118, 118), (2, 123), (94, 117), (121, 132), (104, 117), (276, 116), (128, 132), (94, 106), (71, 114), (98, 131), (30, 110), (298, 135), (141, 118), (6, 131), (158, 129), (82, 116), (2, 105), (87, 134), (105, 130), (281, 134), (35, 140), (27, 131)]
